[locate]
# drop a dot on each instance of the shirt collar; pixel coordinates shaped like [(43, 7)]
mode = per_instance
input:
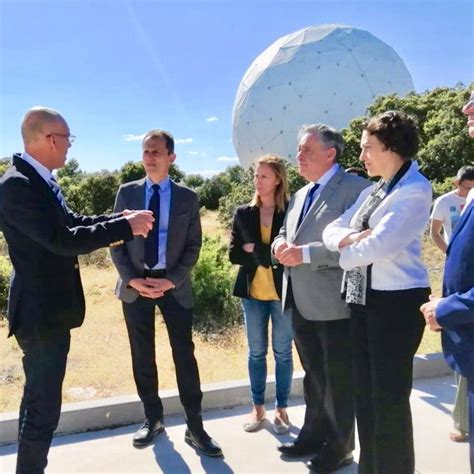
[(324, 179), (164, 183), (40, 168)]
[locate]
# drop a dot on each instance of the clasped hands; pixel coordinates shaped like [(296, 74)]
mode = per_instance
[(141, 222), (151, 287), (289, 255), (429, 313)]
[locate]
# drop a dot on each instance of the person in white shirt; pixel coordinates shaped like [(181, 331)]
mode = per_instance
[(379, 240), (448, 207)]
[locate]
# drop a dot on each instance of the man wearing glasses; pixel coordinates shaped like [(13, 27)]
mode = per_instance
[(46, 299)]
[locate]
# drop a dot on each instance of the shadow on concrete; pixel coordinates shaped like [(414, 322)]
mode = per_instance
[(437, 395)]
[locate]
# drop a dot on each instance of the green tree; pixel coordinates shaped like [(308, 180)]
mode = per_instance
[(194, 181), (213, 189), (4, 165), (131, 171), (176, 174), (71, 170), (94, 194), (445, 144)]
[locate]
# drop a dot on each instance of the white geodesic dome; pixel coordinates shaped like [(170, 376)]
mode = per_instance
[(320, 74)]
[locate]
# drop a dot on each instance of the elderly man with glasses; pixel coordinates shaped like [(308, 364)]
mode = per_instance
[(46, 300)]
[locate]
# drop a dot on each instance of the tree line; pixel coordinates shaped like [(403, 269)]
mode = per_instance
[(445, 147)]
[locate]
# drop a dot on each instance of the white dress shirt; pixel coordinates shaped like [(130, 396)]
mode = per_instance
[(40, 168), (322, 181), (394, 246)]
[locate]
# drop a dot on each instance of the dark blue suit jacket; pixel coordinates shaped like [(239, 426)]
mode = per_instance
[(44, 240), (455, 312)]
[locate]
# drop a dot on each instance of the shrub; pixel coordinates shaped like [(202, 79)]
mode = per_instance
[(215, 309), (5, 272), (3, 245), (442, 187), (100, 258)]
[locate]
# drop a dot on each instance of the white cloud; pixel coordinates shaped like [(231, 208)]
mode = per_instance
[(196, 153), (183, 140), (212, 119), (206, 173), (227, 158), (133, 138)]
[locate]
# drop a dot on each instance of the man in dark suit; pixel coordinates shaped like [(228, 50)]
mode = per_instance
[(311, 286), (156, 272), (453, 314), (46, 299)]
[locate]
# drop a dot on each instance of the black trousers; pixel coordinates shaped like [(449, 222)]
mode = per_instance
[(44, 364), (140, 319), (325, 354), (385, 336)]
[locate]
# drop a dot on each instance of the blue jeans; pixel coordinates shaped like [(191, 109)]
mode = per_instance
[(257, 314)]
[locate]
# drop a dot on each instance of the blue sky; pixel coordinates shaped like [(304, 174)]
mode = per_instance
[(116, 69)]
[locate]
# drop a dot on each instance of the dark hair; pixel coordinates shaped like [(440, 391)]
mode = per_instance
[(164, 135), (465, 173), (329, 136), (357, 171), (397, 131)]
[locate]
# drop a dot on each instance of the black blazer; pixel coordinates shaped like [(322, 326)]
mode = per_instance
[(43, 241), (246, 229)]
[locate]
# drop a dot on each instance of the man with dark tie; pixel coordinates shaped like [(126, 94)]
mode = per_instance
[(46, 299), (311, 287), (155, 272), (453, 314)]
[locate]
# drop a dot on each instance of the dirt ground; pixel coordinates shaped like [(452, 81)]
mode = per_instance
[(99, 363)]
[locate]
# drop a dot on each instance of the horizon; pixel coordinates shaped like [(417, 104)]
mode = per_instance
[(118, 69)]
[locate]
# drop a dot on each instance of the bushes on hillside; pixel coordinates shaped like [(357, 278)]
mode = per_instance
[(215, 309), (5, 271)]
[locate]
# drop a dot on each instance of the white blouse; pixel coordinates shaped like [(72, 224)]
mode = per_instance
[(394, 246)]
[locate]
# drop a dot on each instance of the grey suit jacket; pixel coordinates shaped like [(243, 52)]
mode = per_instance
[(182, 247), (316, 285)]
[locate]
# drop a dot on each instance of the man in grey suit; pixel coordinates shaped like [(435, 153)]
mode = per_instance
[(311, 286), (156, 272)]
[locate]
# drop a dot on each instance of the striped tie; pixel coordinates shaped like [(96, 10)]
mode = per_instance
[(53, 184)]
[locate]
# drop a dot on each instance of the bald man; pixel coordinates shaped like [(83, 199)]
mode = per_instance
[(46, 300)]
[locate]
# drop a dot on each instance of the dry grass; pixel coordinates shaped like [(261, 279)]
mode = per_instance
[(99, 363)]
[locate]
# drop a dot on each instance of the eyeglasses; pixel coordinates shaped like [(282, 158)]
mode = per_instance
[(69, 137)]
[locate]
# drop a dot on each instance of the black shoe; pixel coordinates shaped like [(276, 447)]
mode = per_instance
[(298, 449), (203, 443), (322, 463), (145, 435)]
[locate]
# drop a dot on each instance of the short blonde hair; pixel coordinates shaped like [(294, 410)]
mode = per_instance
[(281, 191)]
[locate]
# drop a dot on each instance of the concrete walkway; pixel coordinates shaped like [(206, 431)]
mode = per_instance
[(111, 451)]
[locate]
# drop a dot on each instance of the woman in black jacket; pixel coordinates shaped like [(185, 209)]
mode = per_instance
[(259, 283)]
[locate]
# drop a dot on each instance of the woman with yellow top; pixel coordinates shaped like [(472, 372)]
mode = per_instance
[(259, 283)]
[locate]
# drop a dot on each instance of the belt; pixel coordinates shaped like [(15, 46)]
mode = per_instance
[(154, 273)]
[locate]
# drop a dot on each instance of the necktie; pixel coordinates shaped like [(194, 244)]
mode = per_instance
[(53, 184), (152, 240), (307, 202)]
